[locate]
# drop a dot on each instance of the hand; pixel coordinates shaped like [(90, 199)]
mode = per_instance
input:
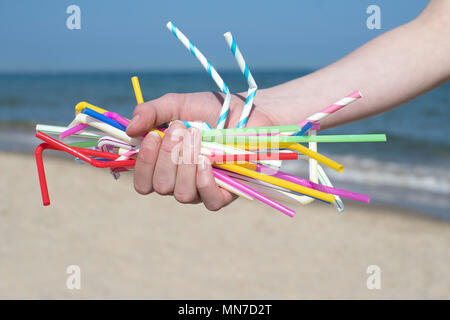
[(190, 181)]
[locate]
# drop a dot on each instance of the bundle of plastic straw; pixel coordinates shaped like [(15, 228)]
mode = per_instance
[(246, 161)]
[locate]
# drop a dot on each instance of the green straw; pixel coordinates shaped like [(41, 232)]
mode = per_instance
[(271, 129), (57, 130), (299, 139), (84, 144)]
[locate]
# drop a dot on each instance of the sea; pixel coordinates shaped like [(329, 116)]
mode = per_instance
[(411, 170)]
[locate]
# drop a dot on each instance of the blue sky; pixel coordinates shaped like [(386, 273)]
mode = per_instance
[(131, 34)]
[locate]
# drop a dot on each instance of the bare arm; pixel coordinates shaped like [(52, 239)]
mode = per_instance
[(389, 70)]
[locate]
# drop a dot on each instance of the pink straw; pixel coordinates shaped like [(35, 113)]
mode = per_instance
[(352, 97), (73, 130), (115, 116), (312, 185), (253, 193)]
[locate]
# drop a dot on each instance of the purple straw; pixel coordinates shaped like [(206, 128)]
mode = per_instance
[(73, 130), (253, 193), (312, 185)]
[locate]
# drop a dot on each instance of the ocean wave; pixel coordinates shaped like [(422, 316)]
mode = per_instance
[(374, 172)]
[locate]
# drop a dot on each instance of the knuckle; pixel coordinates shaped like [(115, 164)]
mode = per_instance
[(205, 185), (162, 187), (147, 150), (144, 190), (170, 96), (213, 206), (184, 197)]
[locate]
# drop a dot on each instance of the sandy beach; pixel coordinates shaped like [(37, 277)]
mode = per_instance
[(132, 246)]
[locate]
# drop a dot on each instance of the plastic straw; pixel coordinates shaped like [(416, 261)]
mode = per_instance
[(297, 139), (250, 130), (103, 118), (252, 157), (252, 87), (209, 68), (338, 203), (84, 118), (277, 181), (254, 193), (137, 90), (352, 97), (83, 104), (315, 186)]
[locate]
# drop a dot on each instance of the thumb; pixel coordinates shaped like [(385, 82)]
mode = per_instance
[(152, 113)]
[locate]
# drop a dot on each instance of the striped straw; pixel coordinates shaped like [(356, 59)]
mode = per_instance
[(252, 87), (209, 68), (314, 173), (352, 97)]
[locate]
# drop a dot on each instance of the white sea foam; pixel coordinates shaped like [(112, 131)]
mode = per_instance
[(369, 171)]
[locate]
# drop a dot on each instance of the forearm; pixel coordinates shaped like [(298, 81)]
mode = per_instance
[(389, 71)]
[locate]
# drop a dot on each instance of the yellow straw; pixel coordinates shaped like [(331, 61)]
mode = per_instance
[(140, 99), (137, 90), (83, 104), (296, 147), (277, 181)]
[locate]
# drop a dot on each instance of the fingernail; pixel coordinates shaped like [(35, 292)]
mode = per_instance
[(133, 121)]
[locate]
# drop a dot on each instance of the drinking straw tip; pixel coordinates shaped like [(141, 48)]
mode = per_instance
[(169, 24), (227, 34)]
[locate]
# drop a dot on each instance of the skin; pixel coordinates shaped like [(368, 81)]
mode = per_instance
[(390, 70)]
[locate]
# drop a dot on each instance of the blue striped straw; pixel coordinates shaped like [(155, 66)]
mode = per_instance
[(209, 68), (252, 87)]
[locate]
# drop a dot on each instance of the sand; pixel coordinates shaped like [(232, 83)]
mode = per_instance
[(133, 246)]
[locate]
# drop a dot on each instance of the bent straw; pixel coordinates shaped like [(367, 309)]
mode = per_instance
[(80, 153), (277, 181), (323, 178), (84, 118), (103, 118), (254, 193), (298, 139), (83, 104), (252, 87), (209, 68), (84, 153), (74, 128), (115, 116)]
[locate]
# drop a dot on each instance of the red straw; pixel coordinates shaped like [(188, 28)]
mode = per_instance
[(81, 153)]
